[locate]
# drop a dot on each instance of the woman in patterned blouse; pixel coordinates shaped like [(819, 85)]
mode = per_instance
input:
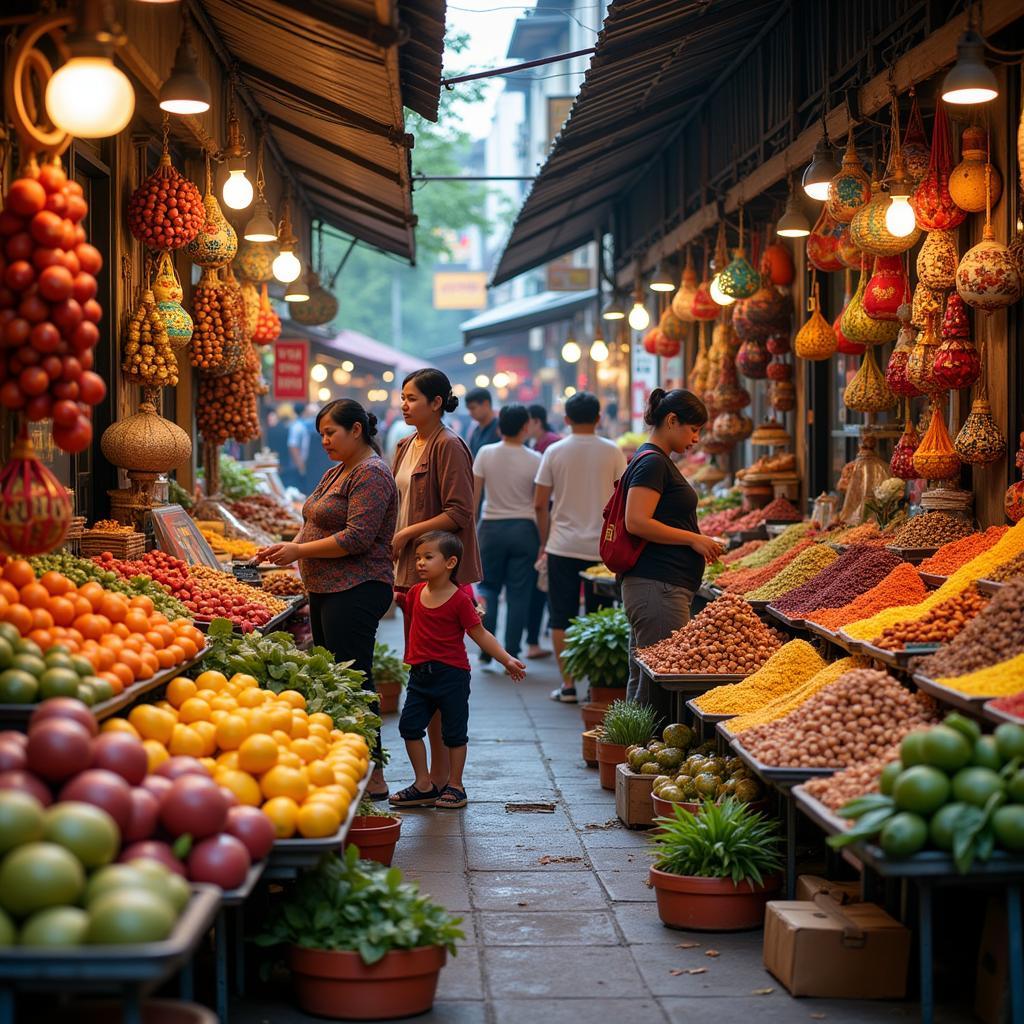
[(344, 546)]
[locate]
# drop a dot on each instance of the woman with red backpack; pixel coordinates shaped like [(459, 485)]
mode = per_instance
[(661, 514)]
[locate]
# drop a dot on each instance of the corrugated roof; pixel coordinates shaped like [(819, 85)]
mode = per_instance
[(330, 76), (654, 59), (522, 314)]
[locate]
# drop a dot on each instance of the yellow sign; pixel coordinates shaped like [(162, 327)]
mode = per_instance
[(460, 289)]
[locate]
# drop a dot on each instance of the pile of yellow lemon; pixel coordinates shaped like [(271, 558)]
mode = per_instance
[(264, 747)]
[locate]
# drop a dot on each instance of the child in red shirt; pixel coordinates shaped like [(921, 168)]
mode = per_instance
[(439, 613)]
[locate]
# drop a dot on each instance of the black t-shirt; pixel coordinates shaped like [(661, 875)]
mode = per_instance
[(677, 564)]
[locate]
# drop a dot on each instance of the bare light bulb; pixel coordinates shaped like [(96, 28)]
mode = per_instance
[(899, 217), (238, 190), (599, 350), (90, 98), (639, 318), (571, 352), (469, 358), (287, 267), (318, 373)]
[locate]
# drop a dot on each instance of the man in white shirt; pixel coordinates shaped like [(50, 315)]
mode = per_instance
[(578, 475), (509, 541)]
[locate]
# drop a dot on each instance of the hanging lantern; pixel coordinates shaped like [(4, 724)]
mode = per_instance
[(884, 292), (35, 509), (988, 278), (933, 205), (268, 323), (980, 441), (935, 458), (778, 370), (321, 307), (823, 244), (967, 180), (902, 462), (651, 341), (921, 364), (682, 301), (843, 343), (777, 264), (916, 153), (957, 362), (779, 344), (850, 189), (752, 360), (858, 326), (672, 326), (704, 307), (815, 340), (782, 396), (927, 303), (867, 390), (255, 261), (697, 381), (216, 242), (896, 368), (937, 260), (665, 346), (729, 427), (728, 396), (1013, 503), (769, 309), (849, 255), (168, 293), (869, 231)]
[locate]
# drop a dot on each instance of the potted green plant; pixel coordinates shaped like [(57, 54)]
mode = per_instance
[(715, 870), (597, 649), (390, 674), (375, 832), (362, 943), (626, 724)]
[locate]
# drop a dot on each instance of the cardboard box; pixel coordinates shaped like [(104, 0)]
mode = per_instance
[(808, 886), (633, 802), (822, 949)]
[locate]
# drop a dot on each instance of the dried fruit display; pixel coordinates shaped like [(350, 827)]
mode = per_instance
[(264, 512), (858, 780), (944, 622), (227, 407), (166, 210), (956, 553), (727, 636), (147, 355), (283, 584), (932, 530), (215, 346), (1008, 569), (48, 308)]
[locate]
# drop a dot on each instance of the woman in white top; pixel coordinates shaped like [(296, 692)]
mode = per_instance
[(509, 540)]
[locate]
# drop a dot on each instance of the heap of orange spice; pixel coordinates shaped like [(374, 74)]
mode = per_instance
[(901, 586)]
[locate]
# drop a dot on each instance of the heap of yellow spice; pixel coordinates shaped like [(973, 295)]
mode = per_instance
[(789, 667), (787, 702), (1011, 544), (999, 680)]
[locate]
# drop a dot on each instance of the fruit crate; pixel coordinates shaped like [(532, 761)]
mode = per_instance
[(126, 546), (633, 798)]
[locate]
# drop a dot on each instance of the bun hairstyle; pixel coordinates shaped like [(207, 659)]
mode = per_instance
[(433, 384), (688, 408), (346, 412)]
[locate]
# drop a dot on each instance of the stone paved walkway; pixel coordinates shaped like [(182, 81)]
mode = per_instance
[(559, 922)]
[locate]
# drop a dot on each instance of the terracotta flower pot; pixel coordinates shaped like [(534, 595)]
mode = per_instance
[(388, 692), (606, 694), (341, 986), (589, 742), (593, 714), (375, 836), (666, 808), (608, 756), (711, 904)]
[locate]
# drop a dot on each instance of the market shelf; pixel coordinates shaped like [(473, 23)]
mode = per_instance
[(786, 775), (16, 716), (232, 901), (128, 971), (912, 555), (930, 579), (997, 715), (294, 603), (945, 695), (687, 684), (990, 587), (897, 659), (794, 624), (290, 856)]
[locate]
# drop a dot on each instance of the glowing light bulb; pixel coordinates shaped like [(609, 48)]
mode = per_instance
[(469, 358), (717, 294), (481, 380), (324, 394), (318, 373), (238, 191), (347, 365), (899, 217), (599, 351), (287, 267), (571, 352), (569, 391), (90, 98), (501, 379), (639, 318), (387, 376)]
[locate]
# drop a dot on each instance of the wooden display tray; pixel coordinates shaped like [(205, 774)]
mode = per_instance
[(704, 716), (783, 775), (896, 659), (945, 695), (853, 645), (912, 555), (798, 624), (294, 603), (692, 678), (930, 579), (990, 587)]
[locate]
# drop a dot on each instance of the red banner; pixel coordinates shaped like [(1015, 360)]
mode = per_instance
[(291, 370)]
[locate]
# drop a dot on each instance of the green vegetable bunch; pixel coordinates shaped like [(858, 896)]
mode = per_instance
[(388, 667), (597, 648), (275, 661), (350, 905), (235, 480), (177, 494), (724, 840), (629, 723)]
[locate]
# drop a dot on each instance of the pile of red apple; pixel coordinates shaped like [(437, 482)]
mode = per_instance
[(178, 815), (48, 308)]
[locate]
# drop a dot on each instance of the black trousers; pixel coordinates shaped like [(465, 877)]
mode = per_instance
[(346, 624)]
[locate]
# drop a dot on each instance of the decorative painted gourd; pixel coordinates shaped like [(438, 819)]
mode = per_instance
[(884, 292), (823, 243), (843, 344), (777, 263), (672, 326), (769, 308), (896, 368), (935, 458), (666, 347), (650, 341), (815, 340), (782, 396), (937, 260), (697, 381), (849, 255), (752, 360), (255, 261), (850, 189), (921, 363), (967, 179), (867, 390), (682, 301), (869, 232), (980, 441), (321, 308), (926, 303), (168, 293), (217, 242), (728, 395), (988, 278), (916, 153), (778, 370), (36, 511), (268, 323), (957, 362), (739, 280), (779, 344), (902, 462), (704, 307), (933, 205), (858, 326)]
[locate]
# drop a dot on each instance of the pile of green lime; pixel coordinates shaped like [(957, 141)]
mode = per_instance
[(952, 790), (27, 675)]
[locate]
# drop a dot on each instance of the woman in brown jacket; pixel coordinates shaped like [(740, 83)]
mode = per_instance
[(434, 472)]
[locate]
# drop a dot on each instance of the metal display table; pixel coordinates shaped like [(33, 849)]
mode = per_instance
[(130, 972), (705, 720), (684, 685), (16, 716), (990, 587), (229, 918), (961, 701), (926, 871), (996, 715), (290, 856), (899, 660), (797, 625)]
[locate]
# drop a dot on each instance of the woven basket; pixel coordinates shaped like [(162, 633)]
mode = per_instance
[(126, 546)]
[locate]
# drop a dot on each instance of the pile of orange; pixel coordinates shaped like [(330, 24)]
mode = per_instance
[(262, 746), (125, 639)]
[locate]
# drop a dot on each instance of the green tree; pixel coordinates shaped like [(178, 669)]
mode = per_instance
[(371, 279)]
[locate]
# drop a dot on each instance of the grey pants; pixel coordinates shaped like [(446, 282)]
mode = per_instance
[(654, 610)]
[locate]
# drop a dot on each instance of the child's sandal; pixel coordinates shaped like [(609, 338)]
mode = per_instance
[(451, 799), (413, 797)]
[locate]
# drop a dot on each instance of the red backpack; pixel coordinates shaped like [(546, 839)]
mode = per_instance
[(620, 549)]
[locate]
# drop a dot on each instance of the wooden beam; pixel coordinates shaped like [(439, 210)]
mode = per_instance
[(918, 64)]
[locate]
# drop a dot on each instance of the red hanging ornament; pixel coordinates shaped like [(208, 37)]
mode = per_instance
[(957, 362), (902, 462), (665, 346), (886, 288), (1014, 500), (752, 360), (823, 244), (35, 509), (268, 323), (933, 205), (651, 341)]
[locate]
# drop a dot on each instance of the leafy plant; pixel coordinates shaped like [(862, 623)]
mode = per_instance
[(629, 723), (350, 905), (887, 501), (388, 667), (597, 647), (277, 664), (725, 840), (235, 480), (177, 494), (369, 809)]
